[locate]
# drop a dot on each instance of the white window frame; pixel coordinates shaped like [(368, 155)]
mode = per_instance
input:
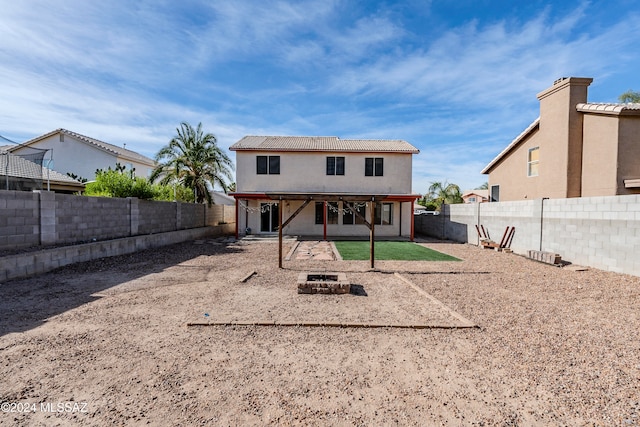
[(531, 163)]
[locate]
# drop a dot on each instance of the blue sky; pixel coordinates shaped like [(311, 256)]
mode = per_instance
[(456, 78)]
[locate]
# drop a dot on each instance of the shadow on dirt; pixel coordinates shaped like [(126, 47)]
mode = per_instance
[(27, 303)]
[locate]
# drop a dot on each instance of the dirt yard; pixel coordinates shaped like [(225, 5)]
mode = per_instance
[(107, 342)]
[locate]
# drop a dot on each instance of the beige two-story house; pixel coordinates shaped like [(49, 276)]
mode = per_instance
[(574, 149), (329, 185)]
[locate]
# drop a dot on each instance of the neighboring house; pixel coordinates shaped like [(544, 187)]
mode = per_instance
[(220, 198), (574, 149), (475, 196), (82, 155), (328, 182), (20, 174)]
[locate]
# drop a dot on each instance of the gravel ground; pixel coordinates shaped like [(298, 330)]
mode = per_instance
[(109, 340)]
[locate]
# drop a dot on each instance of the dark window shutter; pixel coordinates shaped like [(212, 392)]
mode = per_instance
[(261, 165), (331, 165), (379, 166), (274, 165), (368, 166), (339, 165)]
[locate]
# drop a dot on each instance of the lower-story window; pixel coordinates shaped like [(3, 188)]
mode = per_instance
[(384, 214), (332, 212), (347, 214), (495, 193), (353, 212)]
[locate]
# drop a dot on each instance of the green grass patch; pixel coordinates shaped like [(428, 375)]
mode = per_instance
[(392, 251)]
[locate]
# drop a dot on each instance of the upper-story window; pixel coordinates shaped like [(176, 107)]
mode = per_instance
[(532, 161), (335, 165), (268, 165), (373, 166)]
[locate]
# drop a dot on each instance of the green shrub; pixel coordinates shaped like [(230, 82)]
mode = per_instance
[(122, 183)]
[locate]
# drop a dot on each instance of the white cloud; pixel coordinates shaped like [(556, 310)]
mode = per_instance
[(130, 72)]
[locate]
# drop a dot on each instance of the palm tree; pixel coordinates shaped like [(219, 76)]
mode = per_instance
[(484, 186), (629, 96), (441, 193), (193, 159)]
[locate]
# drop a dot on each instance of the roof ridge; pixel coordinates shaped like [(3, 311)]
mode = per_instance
[(111, 148)]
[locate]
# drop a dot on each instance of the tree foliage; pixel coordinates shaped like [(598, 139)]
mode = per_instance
[(630, 96), (121, 183), (118, 183), (440, 193), (193, 159)]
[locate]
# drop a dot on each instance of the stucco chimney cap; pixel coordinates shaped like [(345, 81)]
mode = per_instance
[(564, 82)]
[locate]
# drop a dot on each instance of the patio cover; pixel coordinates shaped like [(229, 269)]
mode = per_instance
[(327, 197)]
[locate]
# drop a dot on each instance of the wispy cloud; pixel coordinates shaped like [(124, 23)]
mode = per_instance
[(130, 72)]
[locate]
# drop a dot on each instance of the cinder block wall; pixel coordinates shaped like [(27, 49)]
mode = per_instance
[(156, 217), (430, 225), (217, 214), (46, 218), (19, 219), (191, 215), (80, 219), (600, 232)]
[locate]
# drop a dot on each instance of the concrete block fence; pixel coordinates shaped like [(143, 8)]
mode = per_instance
[(599, 232), (38, 262), (44, 218)]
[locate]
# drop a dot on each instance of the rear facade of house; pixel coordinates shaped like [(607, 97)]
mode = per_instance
[(330, 184)]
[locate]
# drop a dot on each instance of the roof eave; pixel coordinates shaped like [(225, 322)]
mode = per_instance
[(525, 134), (337, 150)]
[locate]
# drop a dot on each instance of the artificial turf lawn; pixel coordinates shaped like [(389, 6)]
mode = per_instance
[(395, 251)]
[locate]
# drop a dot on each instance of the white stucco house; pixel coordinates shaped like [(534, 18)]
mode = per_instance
[(324, 186), (71, 152)]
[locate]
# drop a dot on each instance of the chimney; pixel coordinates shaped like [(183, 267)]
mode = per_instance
[(562, 124)]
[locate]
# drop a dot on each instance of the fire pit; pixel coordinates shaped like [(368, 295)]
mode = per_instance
[(323, 283)]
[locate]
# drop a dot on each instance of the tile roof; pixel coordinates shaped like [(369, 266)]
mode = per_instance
[(322, 143), (22, 168), (608, 108), (533, 126), (483, 193), (110, 148)]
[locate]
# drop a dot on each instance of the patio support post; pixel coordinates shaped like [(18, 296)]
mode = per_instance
[(237, 215), (372, 233), (324, 219), (280, 209), (412, 219)]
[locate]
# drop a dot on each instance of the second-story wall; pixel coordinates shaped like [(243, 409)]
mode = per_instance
[(307, 172)]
